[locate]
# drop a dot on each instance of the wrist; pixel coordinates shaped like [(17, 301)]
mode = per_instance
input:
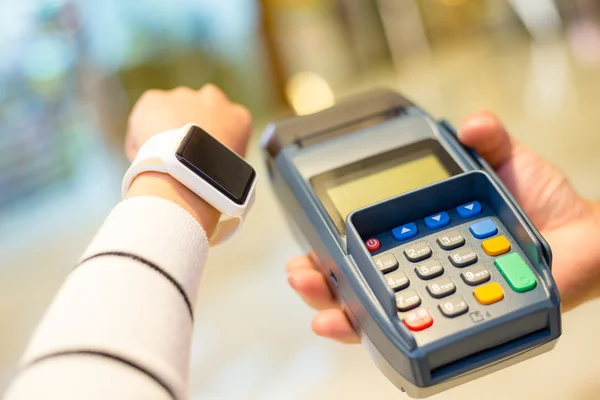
[(166, 187)]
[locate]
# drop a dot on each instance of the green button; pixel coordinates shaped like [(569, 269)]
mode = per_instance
[(516, 272)]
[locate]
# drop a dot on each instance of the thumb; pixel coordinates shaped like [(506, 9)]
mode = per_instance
[(484, 133)]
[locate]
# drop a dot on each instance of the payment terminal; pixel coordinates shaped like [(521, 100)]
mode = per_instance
[(432, 260)]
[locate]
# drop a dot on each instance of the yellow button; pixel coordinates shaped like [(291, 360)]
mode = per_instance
[(489, 294), (496, 246)]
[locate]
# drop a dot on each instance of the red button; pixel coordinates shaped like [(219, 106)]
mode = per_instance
[(418, 320), (373, 244)]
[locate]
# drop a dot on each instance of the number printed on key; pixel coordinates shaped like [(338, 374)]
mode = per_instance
[(451, 240), (463, 257), (386, 263), (441, 288), (475, 275), (454, 306), (407, 300), (417, 252), (397, 281), (429, 269)]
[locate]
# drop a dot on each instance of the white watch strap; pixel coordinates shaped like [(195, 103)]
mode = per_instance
[(149, 159), (228, 226)]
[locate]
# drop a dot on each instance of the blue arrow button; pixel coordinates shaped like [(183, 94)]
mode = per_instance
[(469, 210), (405, 232), (437, 221)]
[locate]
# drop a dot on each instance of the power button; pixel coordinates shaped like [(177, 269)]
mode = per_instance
[(373, 244)]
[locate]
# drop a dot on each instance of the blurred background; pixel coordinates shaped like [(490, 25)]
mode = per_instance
[(70, 71)]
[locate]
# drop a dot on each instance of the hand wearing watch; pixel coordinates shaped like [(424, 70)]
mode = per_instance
[(205, 166)]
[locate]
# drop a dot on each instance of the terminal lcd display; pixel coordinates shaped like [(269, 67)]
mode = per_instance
[(380, 177)]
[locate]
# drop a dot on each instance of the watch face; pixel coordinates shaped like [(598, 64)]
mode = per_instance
[(216, 164)]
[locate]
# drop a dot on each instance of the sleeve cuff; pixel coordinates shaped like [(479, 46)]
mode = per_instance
[(160, 232)]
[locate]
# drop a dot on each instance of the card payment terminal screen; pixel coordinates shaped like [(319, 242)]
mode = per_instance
[(380, 177), (378, 186)]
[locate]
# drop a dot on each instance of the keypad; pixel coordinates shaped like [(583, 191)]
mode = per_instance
[(417, 252), (448, 278), (463, 257), (407, 300), (451, 240), (429, 269), (397, 280), (386, 263), (475, 275), (441, 288), (454, 306)]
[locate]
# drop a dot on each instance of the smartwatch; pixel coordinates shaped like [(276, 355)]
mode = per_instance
[(206, 167)]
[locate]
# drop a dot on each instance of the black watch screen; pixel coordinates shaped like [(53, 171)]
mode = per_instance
[(216, 164)]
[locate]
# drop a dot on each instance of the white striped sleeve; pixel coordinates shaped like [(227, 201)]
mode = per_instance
[(121, 325)]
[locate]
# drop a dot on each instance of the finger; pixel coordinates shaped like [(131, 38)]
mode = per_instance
[(213, 93), (151, 96), (299, 262), (483, 132), (310, 284), (243, 120), (182, 90), (333, 324), (243, 114)]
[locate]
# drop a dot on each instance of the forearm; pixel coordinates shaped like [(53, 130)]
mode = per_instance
[(125, 313)]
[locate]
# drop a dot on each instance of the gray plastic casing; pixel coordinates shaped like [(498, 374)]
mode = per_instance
[(301, 147)]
